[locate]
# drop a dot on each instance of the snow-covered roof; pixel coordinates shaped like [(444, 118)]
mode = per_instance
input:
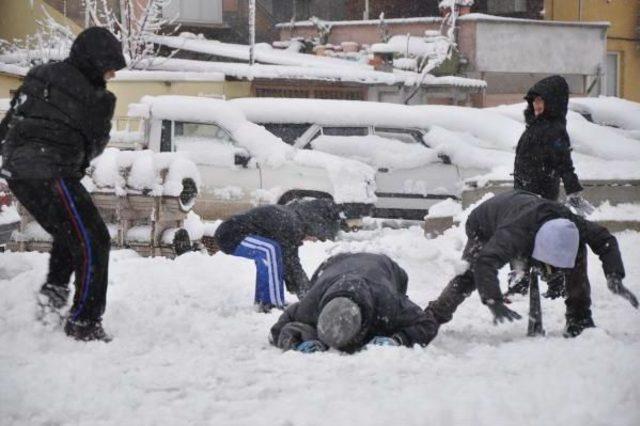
[(435, 19), (144, 75), (350, 75), (418, 20), (263, 52)]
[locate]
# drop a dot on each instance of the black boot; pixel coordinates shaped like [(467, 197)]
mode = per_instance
[(86, 331), (575, 326)]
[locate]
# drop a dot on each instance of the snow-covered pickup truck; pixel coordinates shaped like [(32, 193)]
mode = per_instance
[(242, 164)]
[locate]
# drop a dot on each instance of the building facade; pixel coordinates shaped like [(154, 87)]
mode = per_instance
[(622, 71)]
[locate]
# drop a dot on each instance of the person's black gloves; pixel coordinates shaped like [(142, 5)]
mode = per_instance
[(293, 334), (518, 283), (614, 283), (556, 288), (500, 312), (581, 206)]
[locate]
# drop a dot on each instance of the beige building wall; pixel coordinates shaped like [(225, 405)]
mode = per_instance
[(18, 18), (133, 90), (622, 37)]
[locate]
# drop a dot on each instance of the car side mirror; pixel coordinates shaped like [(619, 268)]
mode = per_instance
[(445, 158), (240, 159)]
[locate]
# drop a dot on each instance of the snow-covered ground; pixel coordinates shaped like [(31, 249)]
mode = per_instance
[(189, 349)]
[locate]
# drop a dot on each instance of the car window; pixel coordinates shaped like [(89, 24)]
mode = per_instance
[(402, 135), (207, 144), (286, 131), (210, 131), (345, 131)]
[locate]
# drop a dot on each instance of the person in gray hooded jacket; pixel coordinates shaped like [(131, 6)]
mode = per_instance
[(355, 299), (542, 233)]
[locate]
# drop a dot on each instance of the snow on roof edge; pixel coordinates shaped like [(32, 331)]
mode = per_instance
[(423, 19), (436, 19)]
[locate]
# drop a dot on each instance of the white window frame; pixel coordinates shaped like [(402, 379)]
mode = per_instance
[(617, 73)]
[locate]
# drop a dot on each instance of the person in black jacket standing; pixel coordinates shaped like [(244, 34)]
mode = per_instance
[(543, 154), (270, 235), (521, 225), (59, 121), (355, 299)]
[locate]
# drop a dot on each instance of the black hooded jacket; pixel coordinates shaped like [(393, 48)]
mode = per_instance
[(378, 285), (61, 116), (543, 154), (506, 226), (288, 225)]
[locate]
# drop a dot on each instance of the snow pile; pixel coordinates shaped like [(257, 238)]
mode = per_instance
[(189, 349), (609, 111), (377, 151), (445, 208), (141, 171)]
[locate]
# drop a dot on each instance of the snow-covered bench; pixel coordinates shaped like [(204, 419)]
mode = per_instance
[(144, 197)]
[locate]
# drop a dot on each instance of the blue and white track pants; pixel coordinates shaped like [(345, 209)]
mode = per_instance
[(267, 255)]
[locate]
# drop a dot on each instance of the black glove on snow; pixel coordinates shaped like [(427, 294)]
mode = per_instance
[(500, 312), (614, 283), (556, 288), (518, 283)]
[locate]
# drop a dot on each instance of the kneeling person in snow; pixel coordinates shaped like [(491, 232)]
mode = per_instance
[(270, 235), (355, 299), (59, 121), (522, 225)]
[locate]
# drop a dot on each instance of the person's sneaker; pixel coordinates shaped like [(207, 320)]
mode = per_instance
[(86, 331), (575, 327)]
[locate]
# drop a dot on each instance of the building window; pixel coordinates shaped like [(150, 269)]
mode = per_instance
[(204, 12), (613, 74)]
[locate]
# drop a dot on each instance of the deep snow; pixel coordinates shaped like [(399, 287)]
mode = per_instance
[(189, 349)]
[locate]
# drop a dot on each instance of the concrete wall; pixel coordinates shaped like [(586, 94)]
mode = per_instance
[(516, 47)]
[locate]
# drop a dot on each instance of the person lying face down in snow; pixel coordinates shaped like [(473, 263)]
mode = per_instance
[(522, 225), (270, 235), (355, 299)]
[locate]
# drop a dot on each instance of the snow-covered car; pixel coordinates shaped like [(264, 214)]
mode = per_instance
[(242, 165), (621, 114), (410, 175)]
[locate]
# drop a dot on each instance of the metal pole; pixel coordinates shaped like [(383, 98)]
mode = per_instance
[(366, 10), (535, 309), (252, 30)]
